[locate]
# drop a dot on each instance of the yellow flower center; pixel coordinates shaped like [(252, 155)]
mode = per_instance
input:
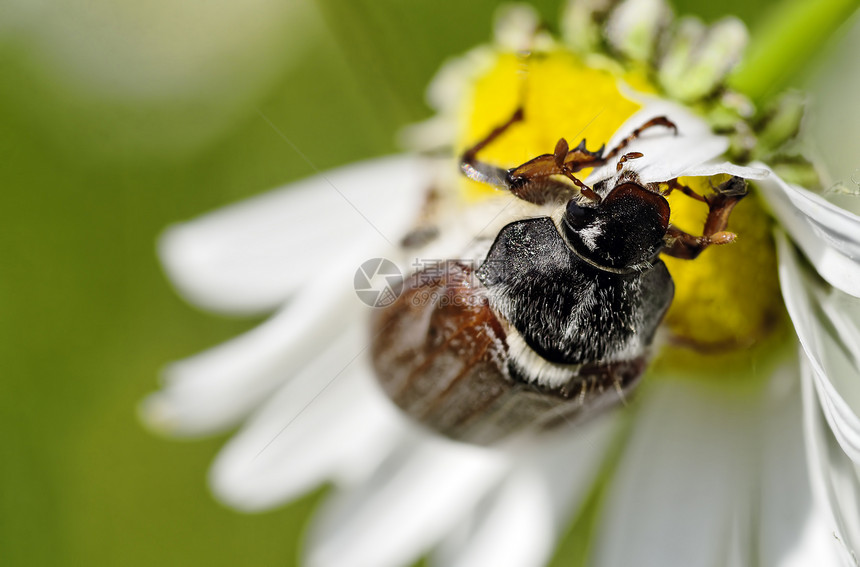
[(728, 298), (561, 98)]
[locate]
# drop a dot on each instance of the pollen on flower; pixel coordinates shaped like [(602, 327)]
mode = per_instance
[(562, 97)]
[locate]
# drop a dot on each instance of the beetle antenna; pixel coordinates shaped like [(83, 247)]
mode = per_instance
[(627, 157)]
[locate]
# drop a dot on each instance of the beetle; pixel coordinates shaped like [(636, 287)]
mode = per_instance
[(555, 323)]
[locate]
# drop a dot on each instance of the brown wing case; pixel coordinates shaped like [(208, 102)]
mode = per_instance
[(440, 354)]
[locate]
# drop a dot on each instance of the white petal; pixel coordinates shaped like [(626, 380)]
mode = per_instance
[(249, 257), (828, 235), (520, 523), (715, 168), (449, 87), (685, 479), (818, 317), (666, 156), (217, 388), (834, 477), (412, 501), (515, 528), (330, 419), (791, 532)]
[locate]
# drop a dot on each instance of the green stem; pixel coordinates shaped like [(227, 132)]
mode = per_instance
[(783, 46)]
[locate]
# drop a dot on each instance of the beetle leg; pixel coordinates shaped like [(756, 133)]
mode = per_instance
[(683, 245), (674, 184), (620, 392), (527, 180), (656, 121), (485, 172)]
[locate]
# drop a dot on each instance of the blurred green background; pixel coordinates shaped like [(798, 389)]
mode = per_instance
[(117, 119)]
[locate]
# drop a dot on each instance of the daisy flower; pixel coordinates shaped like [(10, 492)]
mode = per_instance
[(741, 444)]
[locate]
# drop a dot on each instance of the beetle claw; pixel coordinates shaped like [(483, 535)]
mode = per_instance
[(734, 187)]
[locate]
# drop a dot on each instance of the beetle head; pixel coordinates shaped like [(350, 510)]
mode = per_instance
[(624, 229)]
